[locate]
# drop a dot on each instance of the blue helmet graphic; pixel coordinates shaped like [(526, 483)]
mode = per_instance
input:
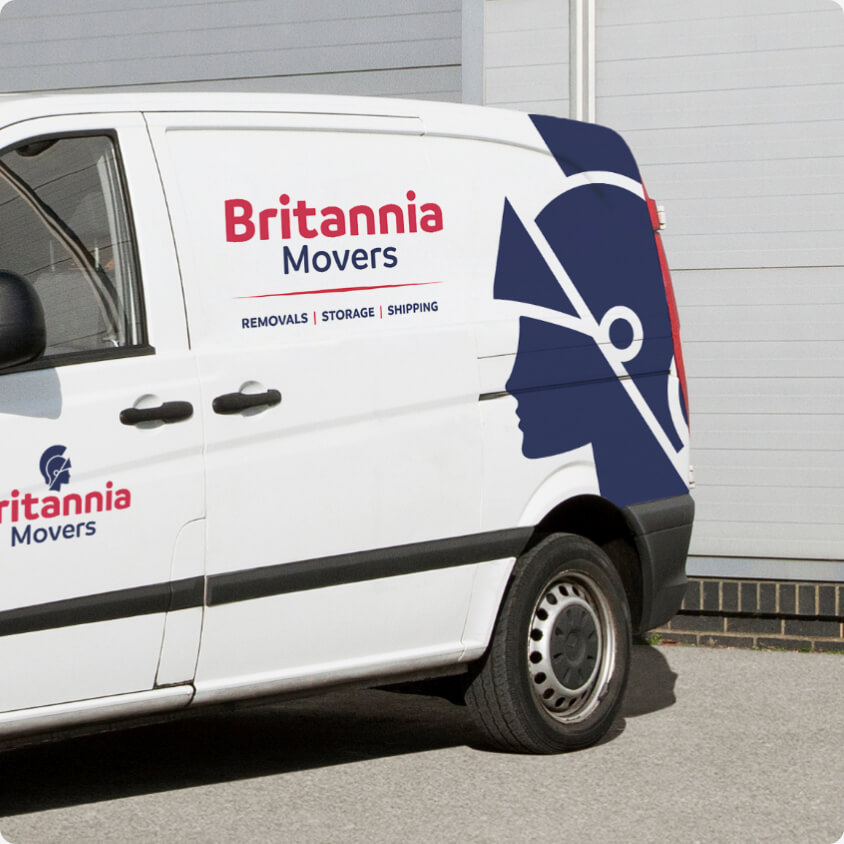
[(55, 467), (595, 354)]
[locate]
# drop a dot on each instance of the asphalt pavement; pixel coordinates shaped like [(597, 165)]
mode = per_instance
[(713, 745)]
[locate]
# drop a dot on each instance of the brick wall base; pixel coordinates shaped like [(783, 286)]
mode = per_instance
[(759, 614)]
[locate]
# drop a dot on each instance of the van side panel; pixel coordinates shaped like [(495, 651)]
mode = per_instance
[(405, 335), (450, 352), (322, 266)]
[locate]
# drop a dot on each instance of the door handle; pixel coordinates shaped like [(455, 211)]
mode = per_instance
[(170, 411), (230, 403)]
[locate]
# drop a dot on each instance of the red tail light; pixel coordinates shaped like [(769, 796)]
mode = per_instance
[(672, 304)]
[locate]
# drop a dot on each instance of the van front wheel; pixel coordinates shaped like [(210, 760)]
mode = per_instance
[(554, 675)]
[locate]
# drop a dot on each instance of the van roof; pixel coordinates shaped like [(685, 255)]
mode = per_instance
[(437, 117)]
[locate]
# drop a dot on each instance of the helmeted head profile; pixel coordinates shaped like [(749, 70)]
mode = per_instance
[(55, 467), (595, 354)]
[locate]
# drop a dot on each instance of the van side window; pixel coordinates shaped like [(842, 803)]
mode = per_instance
[(64, 225)]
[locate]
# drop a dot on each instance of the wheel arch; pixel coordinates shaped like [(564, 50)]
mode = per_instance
[(600, 521)]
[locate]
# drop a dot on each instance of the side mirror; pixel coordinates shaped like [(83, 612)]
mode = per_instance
[(23, 333)]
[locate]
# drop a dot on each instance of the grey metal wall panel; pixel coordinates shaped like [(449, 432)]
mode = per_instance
[(47, 44), (737, 432), (768, 396), (770, 529), (658, 11), (765, 354), (735, 112), (763, 359), (752, 467), (437, 83), (725, 106), (526, 48)]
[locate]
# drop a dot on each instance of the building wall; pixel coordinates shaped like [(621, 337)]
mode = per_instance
[(381, 47), (735, 112), (526, 47)]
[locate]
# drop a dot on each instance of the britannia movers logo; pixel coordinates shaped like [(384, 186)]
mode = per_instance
[(28, 513), (300, 220), (55, 467)]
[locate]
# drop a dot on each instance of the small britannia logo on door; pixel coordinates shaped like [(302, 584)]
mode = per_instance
[(55, 467)]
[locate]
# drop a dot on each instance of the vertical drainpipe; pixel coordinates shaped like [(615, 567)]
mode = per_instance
[(582, 30)]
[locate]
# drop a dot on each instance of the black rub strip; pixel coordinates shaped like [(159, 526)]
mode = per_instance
[(365, 565), (266, 581), (107, 606)]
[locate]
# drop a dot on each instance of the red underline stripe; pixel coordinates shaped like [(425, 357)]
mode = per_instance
[(339, 290)]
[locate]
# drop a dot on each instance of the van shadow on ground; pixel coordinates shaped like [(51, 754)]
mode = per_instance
[(334, 729)]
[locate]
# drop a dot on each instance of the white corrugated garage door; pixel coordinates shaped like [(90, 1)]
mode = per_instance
[(735, 112), (394, 47)]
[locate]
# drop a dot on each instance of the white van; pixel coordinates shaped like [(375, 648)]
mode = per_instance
[(302, 391)]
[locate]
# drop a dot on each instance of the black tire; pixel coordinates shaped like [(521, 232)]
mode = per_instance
[(555, 672)]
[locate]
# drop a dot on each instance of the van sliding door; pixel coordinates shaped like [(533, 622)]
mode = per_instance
[(340, 382)]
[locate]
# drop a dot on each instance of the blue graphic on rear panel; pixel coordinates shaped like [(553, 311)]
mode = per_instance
[(569, 374), (521, 263), (585, 147)]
